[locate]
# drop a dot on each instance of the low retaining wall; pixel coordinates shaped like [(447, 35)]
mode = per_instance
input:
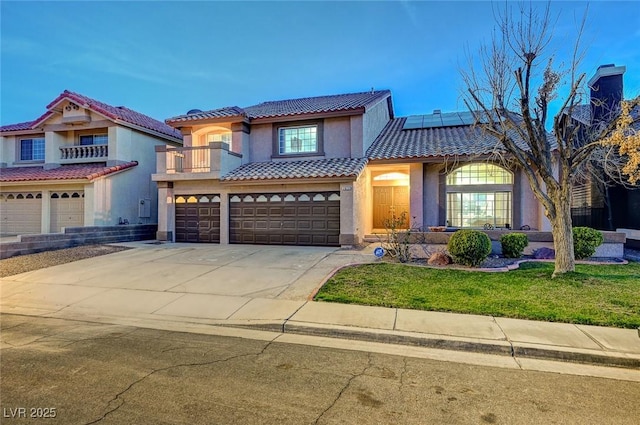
[(75, 236), (612, 247), (633, 237)]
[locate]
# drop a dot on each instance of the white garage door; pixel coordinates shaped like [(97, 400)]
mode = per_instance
[(20, 213), (67, 210)]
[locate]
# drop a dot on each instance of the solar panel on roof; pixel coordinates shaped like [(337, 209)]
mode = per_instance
[(413, 122), (449, 119)]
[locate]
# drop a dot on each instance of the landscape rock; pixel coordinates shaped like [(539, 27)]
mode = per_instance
[(544, 254), (439, 259)]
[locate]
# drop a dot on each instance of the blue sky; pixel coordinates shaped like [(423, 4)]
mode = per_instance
[(164, 58)]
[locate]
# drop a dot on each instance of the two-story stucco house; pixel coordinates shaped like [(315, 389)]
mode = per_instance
[(82, 163), (280, 172), (329, 170)]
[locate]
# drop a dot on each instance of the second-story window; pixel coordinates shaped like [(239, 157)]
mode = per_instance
[(32, 149), (219, 137), (294, 140), (94, 139)]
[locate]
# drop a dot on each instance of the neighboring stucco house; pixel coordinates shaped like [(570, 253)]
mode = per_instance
[(82, 163), (329, 170)]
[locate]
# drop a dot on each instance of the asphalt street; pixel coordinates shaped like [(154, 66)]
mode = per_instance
[(57, 371)]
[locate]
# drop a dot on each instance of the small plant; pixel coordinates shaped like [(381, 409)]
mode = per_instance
[(585, 241), (398, 237), (513, 244), (469, 247)]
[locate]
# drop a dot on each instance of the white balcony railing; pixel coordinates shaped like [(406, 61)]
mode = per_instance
[(189, 159), (84, 152)]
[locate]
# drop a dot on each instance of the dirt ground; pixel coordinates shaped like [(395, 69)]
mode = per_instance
[(40, 260)]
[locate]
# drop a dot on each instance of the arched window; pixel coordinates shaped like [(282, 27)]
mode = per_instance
[(479, 195)]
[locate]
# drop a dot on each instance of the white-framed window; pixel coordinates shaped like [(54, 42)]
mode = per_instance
[(32, 149), (219, 137), (479, 194), (94, 139), (300, 139)]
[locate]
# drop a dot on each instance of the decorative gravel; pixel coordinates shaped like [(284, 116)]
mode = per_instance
[(41, 260)]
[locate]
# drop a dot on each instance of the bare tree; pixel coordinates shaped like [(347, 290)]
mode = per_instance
[(510, 92)]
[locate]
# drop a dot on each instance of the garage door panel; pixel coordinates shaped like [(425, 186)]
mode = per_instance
[(292, 219), (20, 213), (304, 224), (198, 220)]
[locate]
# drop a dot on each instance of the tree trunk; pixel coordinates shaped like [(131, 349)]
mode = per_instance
[(562, 231)]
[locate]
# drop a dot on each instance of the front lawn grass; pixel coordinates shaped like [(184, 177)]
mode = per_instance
[(604, 295)]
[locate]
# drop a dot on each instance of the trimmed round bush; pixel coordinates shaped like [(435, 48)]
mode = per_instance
[(469, 247), (585, 241), (513, 244)]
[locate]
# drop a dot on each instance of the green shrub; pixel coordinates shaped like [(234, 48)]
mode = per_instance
[(513, 244), (585, 241), (469, 247)]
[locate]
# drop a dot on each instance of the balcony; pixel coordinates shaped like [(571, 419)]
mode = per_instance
[(84, 153), (189, 160), (195, 162)]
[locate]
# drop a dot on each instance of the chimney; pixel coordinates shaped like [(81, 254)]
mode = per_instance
[(606, 92)]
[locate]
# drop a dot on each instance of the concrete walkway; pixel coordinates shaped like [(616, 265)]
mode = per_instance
[(268, 288)]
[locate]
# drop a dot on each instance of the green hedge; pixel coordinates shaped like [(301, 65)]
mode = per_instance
[(585, 241), (513, 244), (469, 247)]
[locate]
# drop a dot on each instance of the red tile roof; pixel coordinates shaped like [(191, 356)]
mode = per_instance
[(64, 172), (292, 107), (116, 113), (17, 127)]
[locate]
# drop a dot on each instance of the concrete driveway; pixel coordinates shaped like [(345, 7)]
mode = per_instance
[(172, 281)]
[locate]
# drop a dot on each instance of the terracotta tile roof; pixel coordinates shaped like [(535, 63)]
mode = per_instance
[(291, 107), (226, 112), (120, 113), (396, 143), (64, 172), (332, 167), (116, 113), (17, 127), (319, 104)]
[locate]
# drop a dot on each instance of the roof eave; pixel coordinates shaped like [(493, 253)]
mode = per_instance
[(312, 115), (204, 121), (148, 131)]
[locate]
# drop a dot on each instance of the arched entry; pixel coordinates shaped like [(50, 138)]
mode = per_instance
[(390, 198)]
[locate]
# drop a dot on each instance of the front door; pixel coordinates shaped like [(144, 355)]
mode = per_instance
[(390, 201)]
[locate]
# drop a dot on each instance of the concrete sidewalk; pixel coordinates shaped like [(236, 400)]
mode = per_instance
[(258, 289)]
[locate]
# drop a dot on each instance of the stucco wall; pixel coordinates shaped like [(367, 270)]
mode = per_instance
[(260, 144), (336, 140), (431, 196), (337, 137), (7, 151)]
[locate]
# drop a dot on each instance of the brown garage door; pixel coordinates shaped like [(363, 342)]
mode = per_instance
[(307, 218), (198, 218)]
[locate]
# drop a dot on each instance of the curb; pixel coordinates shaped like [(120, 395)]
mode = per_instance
[(444, 342)]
